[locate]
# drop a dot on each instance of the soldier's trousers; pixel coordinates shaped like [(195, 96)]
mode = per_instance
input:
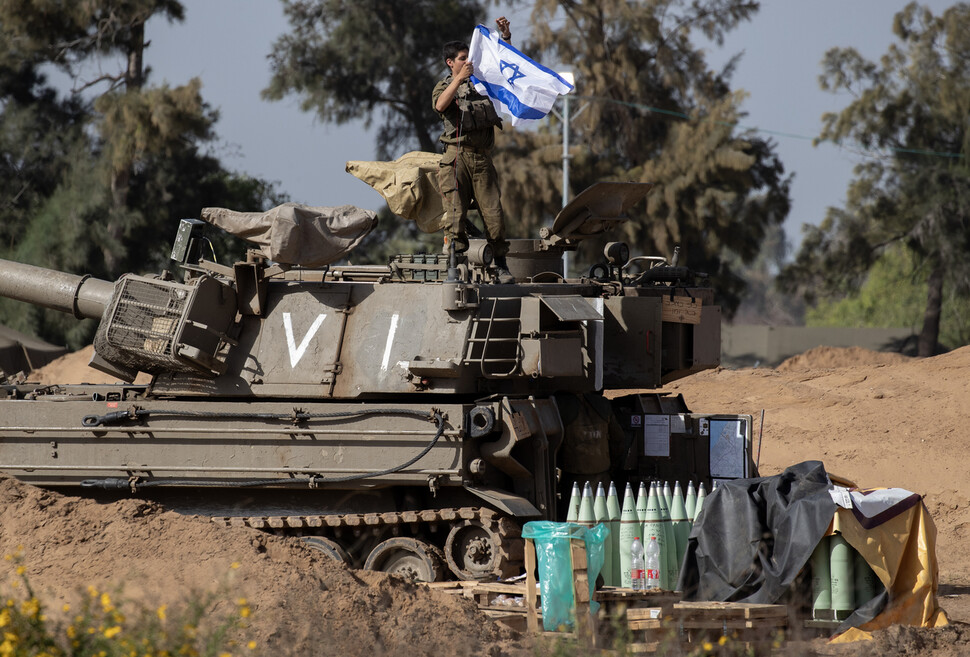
[(462, 176)]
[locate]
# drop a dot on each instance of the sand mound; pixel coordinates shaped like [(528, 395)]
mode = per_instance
[(73, 368), (302, 602), (826, 357), (877, 419)]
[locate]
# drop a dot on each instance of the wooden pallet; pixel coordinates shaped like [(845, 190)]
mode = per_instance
[(729, 615), (485, 594), (753, 625), (482, 592)]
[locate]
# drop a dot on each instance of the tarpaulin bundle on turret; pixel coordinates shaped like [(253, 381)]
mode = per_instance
[(295, 234)]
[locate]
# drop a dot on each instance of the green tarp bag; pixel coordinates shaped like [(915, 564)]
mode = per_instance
[(555, 573)]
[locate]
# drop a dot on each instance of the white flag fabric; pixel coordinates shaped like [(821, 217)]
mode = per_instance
[(519, 87)]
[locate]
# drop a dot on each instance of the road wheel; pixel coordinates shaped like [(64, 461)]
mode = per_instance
[(472, 551), (331, 548), (408, 558)]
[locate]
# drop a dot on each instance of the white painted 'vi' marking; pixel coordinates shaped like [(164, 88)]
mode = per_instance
[(390, 340), (296, 352)]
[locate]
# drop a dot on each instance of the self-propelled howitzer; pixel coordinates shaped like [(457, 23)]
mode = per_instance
[(407, 417)]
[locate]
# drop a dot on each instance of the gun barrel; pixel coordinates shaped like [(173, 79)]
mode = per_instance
[(82, 296)]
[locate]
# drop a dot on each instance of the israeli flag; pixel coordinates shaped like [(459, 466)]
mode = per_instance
[(519, 87)]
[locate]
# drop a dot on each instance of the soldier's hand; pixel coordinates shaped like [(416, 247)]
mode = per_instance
[(466, 71), (503, 28)]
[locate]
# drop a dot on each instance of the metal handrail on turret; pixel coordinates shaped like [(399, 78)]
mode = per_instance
[(490, 343)]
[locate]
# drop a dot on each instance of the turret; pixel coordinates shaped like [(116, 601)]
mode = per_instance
[(285, 323)]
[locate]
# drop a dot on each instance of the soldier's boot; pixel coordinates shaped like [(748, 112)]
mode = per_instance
[(461, 244), (502, 273)]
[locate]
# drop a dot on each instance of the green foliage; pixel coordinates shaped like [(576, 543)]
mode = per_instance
[(66, 33), (98, 186), (347, 60), (38, 135), (201, 625), (716, 191), (893, 295), (909, 111), (64, 234), (155, 121)]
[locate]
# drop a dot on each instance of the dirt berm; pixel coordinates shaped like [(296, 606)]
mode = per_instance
[(877, 419)]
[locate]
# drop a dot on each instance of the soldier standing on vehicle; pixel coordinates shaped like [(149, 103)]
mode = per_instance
[(466, 170)]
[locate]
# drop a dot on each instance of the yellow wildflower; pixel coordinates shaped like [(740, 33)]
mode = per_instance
[(71, 631), (8, 557), (235, 565), (21, 570), (242, 602), (251, 645), (93, 592), (722, 640), (10, 636), (66, 607), (707, 646), (106, 602), (30, 607), (4, 618), (112, 631), (161, 612)]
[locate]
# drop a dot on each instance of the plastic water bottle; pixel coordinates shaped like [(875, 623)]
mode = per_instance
[(653, 564), (636, 567)]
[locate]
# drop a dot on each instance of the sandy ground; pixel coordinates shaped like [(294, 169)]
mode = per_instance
[(877, 419)]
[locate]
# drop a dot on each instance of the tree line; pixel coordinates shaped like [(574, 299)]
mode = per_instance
[(92, 181)]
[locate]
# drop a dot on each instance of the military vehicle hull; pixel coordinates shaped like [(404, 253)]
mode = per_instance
[(407, 418)]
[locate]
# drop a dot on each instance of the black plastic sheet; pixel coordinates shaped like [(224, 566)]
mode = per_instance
[(755, 535)]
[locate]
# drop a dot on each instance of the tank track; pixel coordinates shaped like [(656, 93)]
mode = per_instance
[(511, 548)]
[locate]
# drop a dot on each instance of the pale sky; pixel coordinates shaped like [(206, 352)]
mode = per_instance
[(226, 43)]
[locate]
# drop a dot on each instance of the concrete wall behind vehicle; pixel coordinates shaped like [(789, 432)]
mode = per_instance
[(767, 346)]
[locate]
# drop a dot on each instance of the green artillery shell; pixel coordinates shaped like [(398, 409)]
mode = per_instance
[(678, 518), (586, 507), (670, 540), (613, 507), (701, 495), (843, 581), (601, 515), (630, 528), (821, 581), (867, 585), (690, 503), (572, 512)]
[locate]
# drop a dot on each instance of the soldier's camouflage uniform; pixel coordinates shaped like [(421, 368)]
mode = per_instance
[(466, 170)]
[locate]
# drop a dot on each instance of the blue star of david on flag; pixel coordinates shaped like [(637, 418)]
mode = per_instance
[(516, 74), (518, 86)]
